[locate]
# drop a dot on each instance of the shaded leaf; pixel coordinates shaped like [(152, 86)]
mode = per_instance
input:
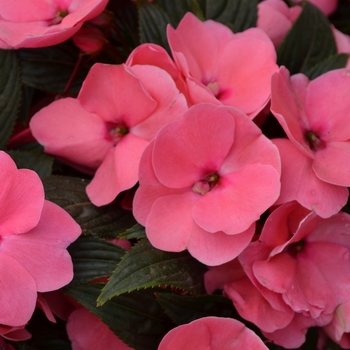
[(144, 266), (331, 63), (41, 163), (239, 15), (341, 17), (10, 89), (185, 309), (135, 232), (136, 318), (69, 193), (49, 68), (309, 42), (153, 23), (93, 258)]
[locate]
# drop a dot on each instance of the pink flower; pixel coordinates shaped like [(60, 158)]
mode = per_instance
[(104, 131), (316, 160), (291, 259), (34, 236), (212, 333), (221, 67), (275, 18), (87, 332), (204, 181), (89, 40), (39, 23)]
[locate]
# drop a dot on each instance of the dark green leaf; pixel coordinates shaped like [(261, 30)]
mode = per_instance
[(135, 232), (136, 318), (10, 89), (41, 163), (153, 23), (69, 193), (49, 68), (332, 62), (93, 258), (177, 9), (144, 266), (184, 309), (341, 17), (238, 14), (26, 102), (309, 42)]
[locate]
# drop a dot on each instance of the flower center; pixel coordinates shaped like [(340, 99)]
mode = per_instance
[(314, 141), (59, 16), (214, 87), (117, 132), (295, 248), (206, 184)]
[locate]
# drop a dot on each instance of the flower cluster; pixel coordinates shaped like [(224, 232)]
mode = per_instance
[(226, 156)]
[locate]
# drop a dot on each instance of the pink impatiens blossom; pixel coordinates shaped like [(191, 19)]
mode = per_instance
[(326, 6), (104, 131), (34, 236), (204, 181), (221, 67), (212, 333), (302, 259), (275, 18), (316, 158), (87, 332), (39, 23)]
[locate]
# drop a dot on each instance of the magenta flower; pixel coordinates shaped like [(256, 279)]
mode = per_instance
[(104, 131), (204, 181), (316, 160), (34, 236), (87, 332), (212, 333), (221, 67), (39, 23)]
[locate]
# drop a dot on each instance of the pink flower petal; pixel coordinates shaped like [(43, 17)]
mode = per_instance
[(42, 251), (181, 158), (76, 134), (300, 183), (19, 292), (211, 333), (170, 222), (22, 195), (238, 200), (218, 248), (332, 164), (110, 91)]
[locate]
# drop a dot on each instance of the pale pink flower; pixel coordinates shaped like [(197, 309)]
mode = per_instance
[(39, 23), (221, 67), (204, 181), (275, 18), (316, 160), (34, 236), (104, 131), (212, 333), (87, 332)]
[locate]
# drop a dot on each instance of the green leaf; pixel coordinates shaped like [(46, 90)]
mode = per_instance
[(331, 63), (136, 318), (309, 42), (184, 309), (144, 266), (49, 68), (41, 163), (239, 15), (135, 232), (69, 193), (153, 23), (93, 258), (10, 89), (177, 9)]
